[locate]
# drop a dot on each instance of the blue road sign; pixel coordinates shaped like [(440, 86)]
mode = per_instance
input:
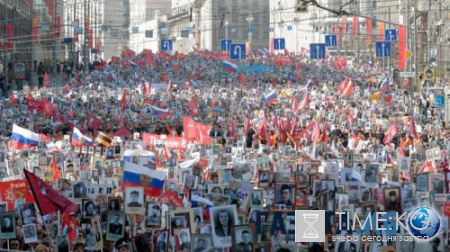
[(225, 45), (330, 40), (237, 51), (166, 45), (279, 43), (317, 51), (250, 30), (383, 49), (271, 29), (390, 35), (289, 27)]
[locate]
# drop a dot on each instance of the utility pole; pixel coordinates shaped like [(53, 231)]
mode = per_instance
[(430, 33)]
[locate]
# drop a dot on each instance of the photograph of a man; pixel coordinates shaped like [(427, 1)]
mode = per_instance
[(115, 227), (134, 199), (286, 195), (245, 244)]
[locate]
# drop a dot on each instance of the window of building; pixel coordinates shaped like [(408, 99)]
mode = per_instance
[(234, 11), (244, 32)]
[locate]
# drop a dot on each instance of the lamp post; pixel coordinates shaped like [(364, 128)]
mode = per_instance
[(250, 20), (226, 29)]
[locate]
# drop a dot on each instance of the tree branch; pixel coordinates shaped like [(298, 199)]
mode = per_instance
[(340, 12)]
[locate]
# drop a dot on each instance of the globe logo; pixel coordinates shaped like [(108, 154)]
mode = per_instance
[(423, 223)]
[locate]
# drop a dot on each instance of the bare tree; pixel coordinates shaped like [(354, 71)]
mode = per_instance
[(340, 12)]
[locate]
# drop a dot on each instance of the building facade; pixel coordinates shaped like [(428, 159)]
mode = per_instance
[(15, 41), (100, 29)]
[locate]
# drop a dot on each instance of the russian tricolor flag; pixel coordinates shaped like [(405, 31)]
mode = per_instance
[(271, 97), (384, 84), (139, 176), (53, 147), (161, 112), (79, 140), (22, 138), (229, 67)]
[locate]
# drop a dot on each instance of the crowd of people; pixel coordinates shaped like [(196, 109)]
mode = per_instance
[(176, 153)]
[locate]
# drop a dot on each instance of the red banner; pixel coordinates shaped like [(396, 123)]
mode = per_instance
[(355, 26), (58, 27), (401, 47), (170, 198), (336, 32), (447, 209), (9, 37), (369, 30), (177, 143), (15, 190)]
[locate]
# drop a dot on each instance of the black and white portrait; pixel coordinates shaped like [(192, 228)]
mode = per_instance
[(371, 174), (201, 243), (29, 233), (226, 176), (153, 217), (8, 225), (263, 179), (190, 182), (79, 190), (404, 164), (256, 198), (285, 195), (223, 218), (89, 209), (28, 214), (134, 200), (160, 240), (116, 225), (114, 203), (243, 237)]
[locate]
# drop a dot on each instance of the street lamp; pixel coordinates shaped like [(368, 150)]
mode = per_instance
[(226, 29), (250, 20)]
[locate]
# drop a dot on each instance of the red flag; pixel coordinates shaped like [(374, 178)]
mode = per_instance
[(71, 223), (355, 26), (48, 199), (390, 134), (123, 102), (304, 103), (196, 131), (47, 107), (294, 105), (170, 198), (401, 65), (412, 128), (447, 209), (368, 30), (12, 99), (401, 152), (46, 80), (348, 90), (169, 87), (9, 37), (45, 138), (427, 167), (55, 170)]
